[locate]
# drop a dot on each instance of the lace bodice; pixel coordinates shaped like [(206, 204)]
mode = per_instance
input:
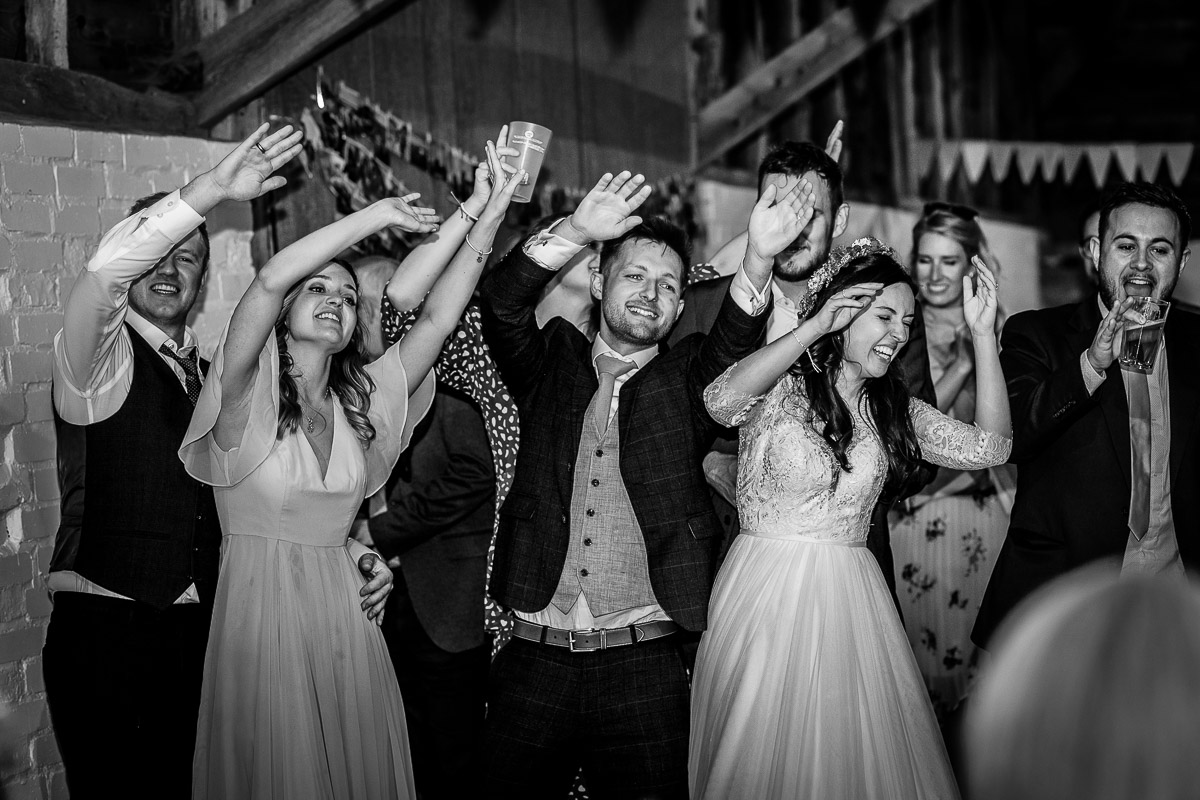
[(789, 482)]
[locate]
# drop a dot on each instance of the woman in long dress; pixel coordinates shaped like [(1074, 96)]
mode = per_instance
[(946, 538), (293, 429), (805, 685)]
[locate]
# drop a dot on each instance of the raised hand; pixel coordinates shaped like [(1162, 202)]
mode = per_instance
[(485, 169), (414, 219), (501, 192), (245, 173), (840, 309), (1103, 349), (607, 211), (981, 299), (778, 218), (833, 145)]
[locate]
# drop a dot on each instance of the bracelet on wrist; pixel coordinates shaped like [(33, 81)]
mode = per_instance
[(462, 209), (479, 254)]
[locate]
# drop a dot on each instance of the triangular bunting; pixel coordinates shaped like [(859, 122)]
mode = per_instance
[(1071, 156), (1028, 156), (1001, 159), (1125, 154), (1051, 157), (1149, 160), (948, 159), (974, 156), (923, 156), (1178, 158), (1099, 156)]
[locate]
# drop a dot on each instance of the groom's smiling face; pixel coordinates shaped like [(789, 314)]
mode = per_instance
[(640, 292)]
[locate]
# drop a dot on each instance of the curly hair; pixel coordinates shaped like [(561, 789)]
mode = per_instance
[(886, 397), (348, 378)]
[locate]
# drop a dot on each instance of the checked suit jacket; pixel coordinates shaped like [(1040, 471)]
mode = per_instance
[(665, 432), (1072, 453)]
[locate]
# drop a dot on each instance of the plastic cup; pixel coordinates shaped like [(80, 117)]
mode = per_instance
[(1139, 350), (531, 140)]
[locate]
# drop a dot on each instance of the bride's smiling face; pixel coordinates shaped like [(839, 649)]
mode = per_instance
[(875, 337)]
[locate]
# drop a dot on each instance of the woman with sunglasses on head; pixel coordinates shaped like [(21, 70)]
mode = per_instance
[(292, 429), (946, 538), (805, 684)]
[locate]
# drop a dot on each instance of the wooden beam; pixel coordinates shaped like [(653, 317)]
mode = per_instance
[(791, 75), (34, 94), (46, 32), (267, 43)]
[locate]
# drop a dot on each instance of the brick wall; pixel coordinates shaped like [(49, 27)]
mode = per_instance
[(59, 190)]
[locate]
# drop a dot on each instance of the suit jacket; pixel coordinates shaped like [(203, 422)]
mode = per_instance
[(703, 301), (441, 510), (1073, 454), (665, 432)]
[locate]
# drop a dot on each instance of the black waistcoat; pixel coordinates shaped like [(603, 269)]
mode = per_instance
[(145, 529)]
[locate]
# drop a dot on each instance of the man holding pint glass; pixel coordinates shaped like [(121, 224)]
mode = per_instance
[(1105, 396)]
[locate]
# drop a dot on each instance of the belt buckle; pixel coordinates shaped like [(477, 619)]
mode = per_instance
[(587, 648)]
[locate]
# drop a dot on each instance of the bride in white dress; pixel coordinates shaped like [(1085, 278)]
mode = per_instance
[(805, 684)]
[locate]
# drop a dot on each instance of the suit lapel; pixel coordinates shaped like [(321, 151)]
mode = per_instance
[(1183, 389), (1111, 394), (583, 388)]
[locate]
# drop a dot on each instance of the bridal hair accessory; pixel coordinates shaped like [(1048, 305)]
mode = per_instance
[(868, 245)]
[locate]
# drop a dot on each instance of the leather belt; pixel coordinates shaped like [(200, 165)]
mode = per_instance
[(587, 640)]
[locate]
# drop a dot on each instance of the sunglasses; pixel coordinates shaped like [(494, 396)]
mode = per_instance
[(962, 212)]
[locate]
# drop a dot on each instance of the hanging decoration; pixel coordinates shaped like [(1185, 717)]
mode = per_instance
[(1131, 161), (359, 146)]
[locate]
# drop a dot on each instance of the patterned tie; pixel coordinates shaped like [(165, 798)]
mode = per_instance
[(1139, 440), (190, 369), (609, 368)]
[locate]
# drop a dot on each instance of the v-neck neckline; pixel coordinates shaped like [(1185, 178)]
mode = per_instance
[(334, 409)]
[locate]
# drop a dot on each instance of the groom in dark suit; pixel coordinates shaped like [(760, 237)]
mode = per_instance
[(607, 543), (1108, 457), (785, 165)]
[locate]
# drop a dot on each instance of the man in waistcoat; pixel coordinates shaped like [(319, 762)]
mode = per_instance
[(135, 560), (607, 544)]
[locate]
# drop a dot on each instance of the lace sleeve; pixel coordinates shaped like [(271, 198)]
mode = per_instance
[(727, 406), (950, 443)]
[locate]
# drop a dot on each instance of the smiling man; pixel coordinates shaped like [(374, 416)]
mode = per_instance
[(1108, 456), (607, 543)]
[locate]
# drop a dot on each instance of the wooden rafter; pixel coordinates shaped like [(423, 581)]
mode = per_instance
[(267, 43), (46, 32), (48, 95), (792, 74)]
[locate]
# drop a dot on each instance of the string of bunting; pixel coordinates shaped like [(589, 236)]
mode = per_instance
[(358, 146)]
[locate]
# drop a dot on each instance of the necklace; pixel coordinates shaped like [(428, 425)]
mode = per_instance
[(310, 419)]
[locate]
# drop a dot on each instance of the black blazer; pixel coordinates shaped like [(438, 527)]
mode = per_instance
[(1072, 452), (665, 432), (441, 510), (703, 301)]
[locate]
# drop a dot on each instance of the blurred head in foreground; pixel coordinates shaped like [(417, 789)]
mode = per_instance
[(1094, 692)]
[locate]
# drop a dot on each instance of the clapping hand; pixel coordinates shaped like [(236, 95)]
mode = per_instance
[(245, 173), (778, 218), (981, 299), (414, 219), (607, 210), (840, 309)]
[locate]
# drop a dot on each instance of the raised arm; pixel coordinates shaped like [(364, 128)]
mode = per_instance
[(92, 349), (421, 346), (254, 317), (426, 262), (980, 303)]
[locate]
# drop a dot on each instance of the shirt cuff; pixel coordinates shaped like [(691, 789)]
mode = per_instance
[(170, 217), (749, 299), (549, 250), (1091, 378)]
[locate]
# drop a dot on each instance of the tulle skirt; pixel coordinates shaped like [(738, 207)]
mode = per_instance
[(805, 685), (300, 699)]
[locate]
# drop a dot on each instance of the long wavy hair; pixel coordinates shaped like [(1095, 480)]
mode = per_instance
[(348, 378), (886, 397)]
